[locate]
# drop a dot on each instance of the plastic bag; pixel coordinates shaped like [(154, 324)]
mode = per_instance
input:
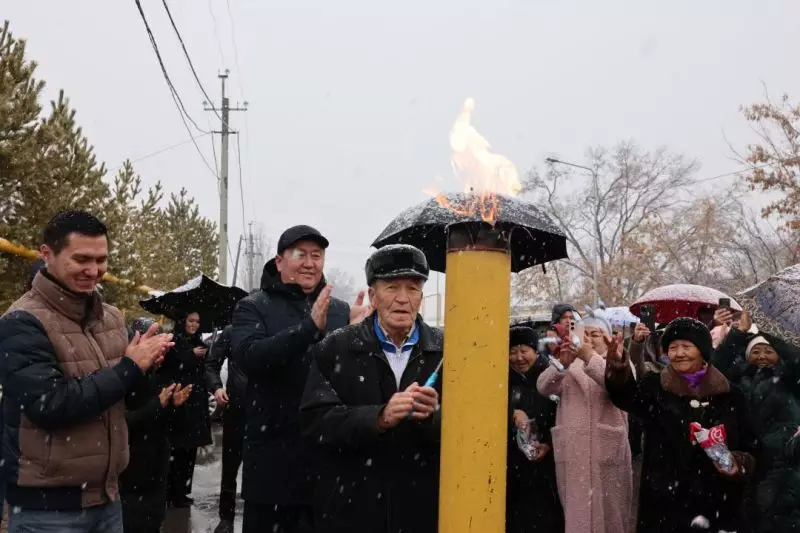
[(714, 443), (527, 440)]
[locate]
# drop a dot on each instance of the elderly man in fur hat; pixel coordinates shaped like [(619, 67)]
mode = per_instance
[(377, 427)]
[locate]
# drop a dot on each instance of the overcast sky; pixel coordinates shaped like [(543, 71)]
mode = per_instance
[(351, 101)]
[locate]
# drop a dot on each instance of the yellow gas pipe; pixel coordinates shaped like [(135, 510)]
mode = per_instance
[(472, 491), (16, 249)]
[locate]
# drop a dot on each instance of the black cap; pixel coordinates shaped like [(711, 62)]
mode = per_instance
[(397, 261), (523, 335), (296, 234), (689, 329)]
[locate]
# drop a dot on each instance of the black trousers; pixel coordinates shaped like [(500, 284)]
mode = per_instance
[(181, 472), (232, 449), (262, 517), (143, 512)]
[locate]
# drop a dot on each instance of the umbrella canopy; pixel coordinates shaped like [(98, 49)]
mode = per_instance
[(620, 316), (774, 304), (213, 302), (673, 301), (534, 239)]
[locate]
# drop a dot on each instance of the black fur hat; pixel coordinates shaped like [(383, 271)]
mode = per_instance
[(523, 335), (689, 329)]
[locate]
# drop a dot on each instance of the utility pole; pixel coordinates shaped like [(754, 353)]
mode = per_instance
[(224, 132)]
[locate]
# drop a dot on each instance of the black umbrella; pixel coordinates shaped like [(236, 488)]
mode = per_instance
[(213, 302), (774, 304), (533, 238)]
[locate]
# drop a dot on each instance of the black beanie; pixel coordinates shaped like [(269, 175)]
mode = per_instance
[(559, 310), (523, 335), (689, 329)]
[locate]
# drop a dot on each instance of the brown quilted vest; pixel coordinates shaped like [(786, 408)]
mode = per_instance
[(85, 338)]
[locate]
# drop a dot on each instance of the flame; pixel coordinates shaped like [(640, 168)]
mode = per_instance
[(483, 173)]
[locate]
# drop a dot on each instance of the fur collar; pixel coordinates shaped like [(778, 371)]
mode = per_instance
[(713, 384)]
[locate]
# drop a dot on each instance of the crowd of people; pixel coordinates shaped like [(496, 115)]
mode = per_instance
[(330, 415)]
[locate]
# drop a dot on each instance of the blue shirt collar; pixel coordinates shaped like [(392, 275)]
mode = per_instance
[(388, 346)]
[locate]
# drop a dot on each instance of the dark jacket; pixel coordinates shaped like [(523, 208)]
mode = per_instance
[(192, 427), (65, 440), (532, 502), (236, 384), (371, 481), (772, 398), (272, 336), (148, 426), (679, 482)]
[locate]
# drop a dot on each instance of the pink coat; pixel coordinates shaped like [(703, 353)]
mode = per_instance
[(591, 449)]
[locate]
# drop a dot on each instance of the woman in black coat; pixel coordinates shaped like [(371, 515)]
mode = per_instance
[(149, 409), (532, 503), (682, 489), (767, 370), (185, 365)]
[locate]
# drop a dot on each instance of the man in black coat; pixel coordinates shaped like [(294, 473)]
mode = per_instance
[(231, 398), (273, 332), (376, 429)]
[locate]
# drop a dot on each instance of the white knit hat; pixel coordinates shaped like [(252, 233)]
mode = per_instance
[(753, 343), (595, 319)]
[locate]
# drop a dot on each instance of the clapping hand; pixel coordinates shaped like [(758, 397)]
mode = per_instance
[(180, 395)]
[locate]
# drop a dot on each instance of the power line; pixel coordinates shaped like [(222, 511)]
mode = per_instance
[(216, 33), (241, 186), (235, 50), (186, 54), (162, 150), (712, 178), (173, 92), (241, 88), (175, 95)]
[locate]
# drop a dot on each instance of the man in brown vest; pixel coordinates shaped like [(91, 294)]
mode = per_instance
[(66, 369)]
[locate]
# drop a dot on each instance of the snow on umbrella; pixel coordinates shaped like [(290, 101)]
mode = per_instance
[(534, 239), (620, 316), (673, 301), (774, 303), (214, 302)]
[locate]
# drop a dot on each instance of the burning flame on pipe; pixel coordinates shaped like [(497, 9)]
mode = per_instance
[(483, 173)]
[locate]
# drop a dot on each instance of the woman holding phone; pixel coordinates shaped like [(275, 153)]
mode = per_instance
[(590, 438), (184, 365)]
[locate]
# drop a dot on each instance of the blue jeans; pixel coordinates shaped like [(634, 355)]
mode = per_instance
[(101, 519)]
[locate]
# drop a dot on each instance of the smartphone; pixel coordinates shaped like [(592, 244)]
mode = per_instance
[(647, 313), (578, 332), (725, 303)]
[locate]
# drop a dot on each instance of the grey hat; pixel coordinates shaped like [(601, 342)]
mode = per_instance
[(397, 261)]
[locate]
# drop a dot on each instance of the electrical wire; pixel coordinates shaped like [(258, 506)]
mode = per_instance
[(188, 58), (162, 150), (712, 178), (235, 50), (241, 186), (216, 33), (241, 86), (173, 92)]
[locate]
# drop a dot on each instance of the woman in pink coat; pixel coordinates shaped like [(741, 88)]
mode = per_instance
[(590, 438)]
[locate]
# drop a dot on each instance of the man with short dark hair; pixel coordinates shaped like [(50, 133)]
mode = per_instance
[(369, 410), (273, 331), (68, 365)]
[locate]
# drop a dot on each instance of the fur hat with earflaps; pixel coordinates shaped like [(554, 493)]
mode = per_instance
[(689, 329)]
